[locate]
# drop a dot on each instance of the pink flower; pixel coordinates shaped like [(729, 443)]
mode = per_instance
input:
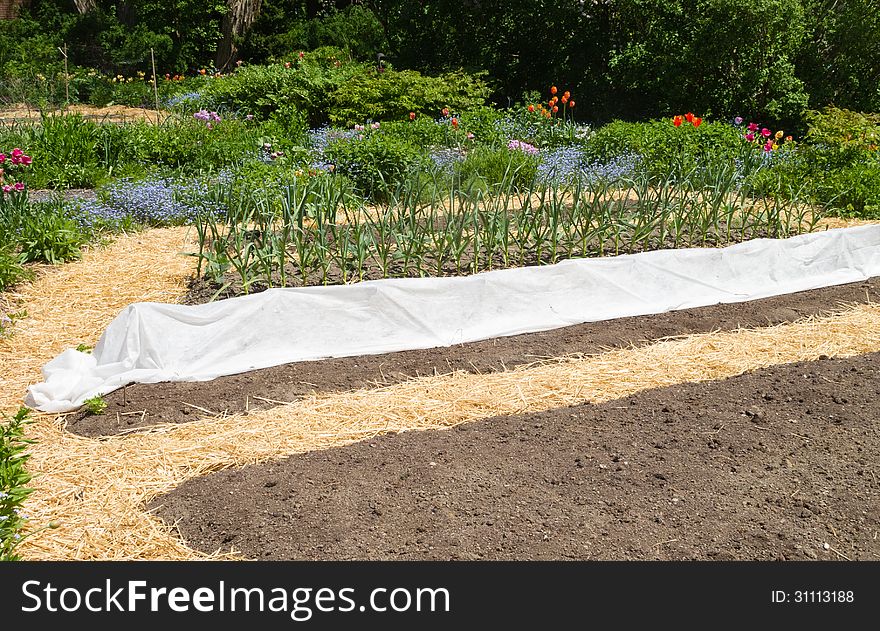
[(753, 126), (2, 158), (26, 160), (750, 137), (7, 188), (375, 125), (765, 132), (19, 186), (768, 147), (17, 152)]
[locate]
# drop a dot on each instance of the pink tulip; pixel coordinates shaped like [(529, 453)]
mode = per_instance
[(19, 186), (26, 160), (17, 152), (750, 137), (2, 158), (765, 132), (753, 126), (7, 188)]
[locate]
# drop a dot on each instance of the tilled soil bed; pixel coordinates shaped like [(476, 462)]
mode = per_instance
[(779, 463), (142, 405)]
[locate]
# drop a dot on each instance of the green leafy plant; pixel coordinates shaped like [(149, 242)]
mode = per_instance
[(95, 405), (14, 480)]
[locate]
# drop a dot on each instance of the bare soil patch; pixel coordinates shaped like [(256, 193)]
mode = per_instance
[(778, 463), (143, 405), (111, 114)]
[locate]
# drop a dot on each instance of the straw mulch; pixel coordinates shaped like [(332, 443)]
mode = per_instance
[(73, 304), (95, 490)]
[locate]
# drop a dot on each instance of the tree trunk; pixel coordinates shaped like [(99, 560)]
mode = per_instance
[(84, 6), (240, 16)]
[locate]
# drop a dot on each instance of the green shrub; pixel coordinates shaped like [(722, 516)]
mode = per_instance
[(499, 168), (375, 163), (663, 146), (841, 160), (392, 95)]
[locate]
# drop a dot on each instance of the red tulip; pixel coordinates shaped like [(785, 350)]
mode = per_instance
[(531, 108), (555, 108), (412, 116), (677, 121), (571, 103), (445, 111), (689, 117), (697, 121), (454, 122)]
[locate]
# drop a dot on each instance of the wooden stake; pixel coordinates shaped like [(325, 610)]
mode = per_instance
[(66, 77), (155, 83)]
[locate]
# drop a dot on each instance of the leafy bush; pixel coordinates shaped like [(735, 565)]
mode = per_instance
[(500, 169), (392, 95), (375, 162), (14, 479), (663, 146), (841, 160)]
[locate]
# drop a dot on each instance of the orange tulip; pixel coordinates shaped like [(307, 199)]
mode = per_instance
[(553, 90), (567, 95), (531, 108), (677, 121), (455, 122), (564, 99), (445, 111), (555, 108)]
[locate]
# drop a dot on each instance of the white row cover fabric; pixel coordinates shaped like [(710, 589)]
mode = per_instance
[(151, 342)]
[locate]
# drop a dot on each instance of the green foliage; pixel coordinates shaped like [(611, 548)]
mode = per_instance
[(719, 57), (841, 160), (49, 235), (95, 405), (392, 95), (14, 478), (499, 168), (664, 147), (375, 163), (11, 270), (267, 91), (354, 29), (840, 60)]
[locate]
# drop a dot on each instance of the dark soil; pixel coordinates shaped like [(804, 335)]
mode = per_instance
[(167, 402), (779, 463)]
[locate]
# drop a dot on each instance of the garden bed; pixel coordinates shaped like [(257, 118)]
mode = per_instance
[(110, 114), (143, 405), (777, 463)]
